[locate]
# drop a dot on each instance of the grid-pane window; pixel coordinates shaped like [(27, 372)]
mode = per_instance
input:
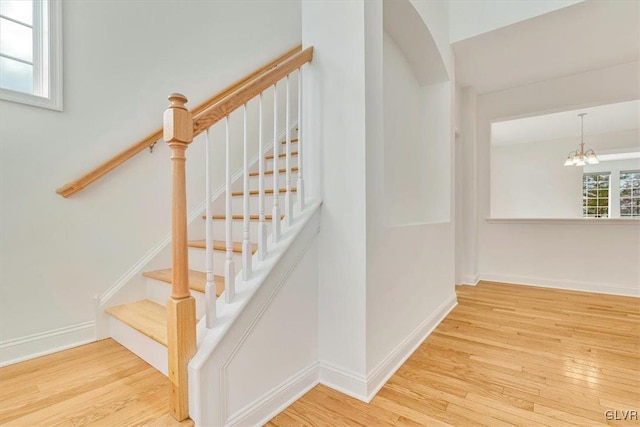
[(595, 195), (30, 52), (16, 45), (630, 194)]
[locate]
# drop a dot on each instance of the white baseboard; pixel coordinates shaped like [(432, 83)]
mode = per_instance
[(388, 366), (571, 285), (470, 280), (41, 344), (277, 400), (343, 380)]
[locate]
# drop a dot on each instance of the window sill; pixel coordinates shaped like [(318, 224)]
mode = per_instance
[(565, 221), (29, 99)]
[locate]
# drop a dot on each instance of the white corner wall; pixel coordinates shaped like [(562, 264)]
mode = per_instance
[(335, 132), (416, 132), (410, 268), (552, 253), (405, 174), (57, 254)]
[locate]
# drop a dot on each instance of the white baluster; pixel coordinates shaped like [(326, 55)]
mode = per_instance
[(229, 267), (246, 244), (300, 183), (262, 227), (288, 203), (276, 152), (210, 288)]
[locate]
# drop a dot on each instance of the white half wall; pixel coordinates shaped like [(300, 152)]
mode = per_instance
[(554, 253), (57, 254)]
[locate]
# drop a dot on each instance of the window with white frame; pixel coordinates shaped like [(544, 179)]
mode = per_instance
[(30, 52), (630, 194), (595, 195)]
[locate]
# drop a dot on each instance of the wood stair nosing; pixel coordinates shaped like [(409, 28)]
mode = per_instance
[(241, 217), (256, 192), (270, 172), (293, 141), (270, 156), (197, 279), (145, 316), (220, 245)]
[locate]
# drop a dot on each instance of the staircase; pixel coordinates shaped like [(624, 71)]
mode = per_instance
[(252, 228), (148, 317)]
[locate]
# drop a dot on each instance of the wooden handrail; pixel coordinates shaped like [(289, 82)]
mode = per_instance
[(214, 113), (104, 168)]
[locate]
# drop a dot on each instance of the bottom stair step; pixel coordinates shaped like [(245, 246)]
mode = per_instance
[(197, 279), (145, 316)]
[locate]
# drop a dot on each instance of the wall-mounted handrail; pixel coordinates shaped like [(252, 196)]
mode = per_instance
[(109, 165)]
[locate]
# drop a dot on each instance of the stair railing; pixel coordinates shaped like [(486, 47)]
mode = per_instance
[(180, 126)]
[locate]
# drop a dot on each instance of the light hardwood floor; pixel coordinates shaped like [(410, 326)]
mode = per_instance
[(98, 384), (506, 355)]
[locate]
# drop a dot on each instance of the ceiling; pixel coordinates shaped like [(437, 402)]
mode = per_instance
[(585, 36), (602, 119)]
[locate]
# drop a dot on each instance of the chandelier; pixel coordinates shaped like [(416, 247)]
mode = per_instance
[(580, 157)]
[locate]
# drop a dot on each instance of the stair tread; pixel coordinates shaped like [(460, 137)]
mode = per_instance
[(270, 172), (145, 316), (270, 156), (255, 192), (220, 245), (197, 279), (293, 141), (241, 217)]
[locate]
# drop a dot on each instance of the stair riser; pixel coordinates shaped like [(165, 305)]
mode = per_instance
[(268, 163), (237, 228), (141, 345), (160, 292), (236, 204), (268, 180), (198, 261)]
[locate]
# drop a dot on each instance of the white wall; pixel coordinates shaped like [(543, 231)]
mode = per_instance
[(466, 188), (471, 17), (57, 254), (381, 288), (406, 176), (335, 131), (410, 268), (529, 180), (555, 253)]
